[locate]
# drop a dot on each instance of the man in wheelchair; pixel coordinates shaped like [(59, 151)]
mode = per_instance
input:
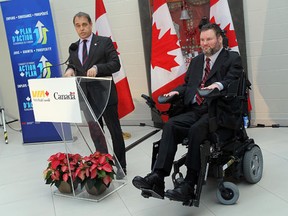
[(216, 68)]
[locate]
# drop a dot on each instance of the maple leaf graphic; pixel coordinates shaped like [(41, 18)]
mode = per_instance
[(231, 35), (161, 47)]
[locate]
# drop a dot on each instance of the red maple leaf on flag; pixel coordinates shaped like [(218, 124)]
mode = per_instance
[(230, 34), (161, 47)]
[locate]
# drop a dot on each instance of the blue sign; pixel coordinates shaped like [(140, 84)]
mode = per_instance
[(33, 52)]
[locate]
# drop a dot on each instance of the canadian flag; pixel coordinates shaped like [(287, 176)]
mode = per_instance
[(125, 102), (220, 14), (167, 63)]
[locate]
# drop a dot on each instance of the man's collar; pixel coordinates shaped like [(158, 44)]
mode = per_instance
[(214, 56), (89, 39)]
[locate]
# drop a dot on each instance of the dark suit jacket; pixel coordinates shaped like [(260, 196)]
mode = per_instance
[(227, 67), (102, 54)]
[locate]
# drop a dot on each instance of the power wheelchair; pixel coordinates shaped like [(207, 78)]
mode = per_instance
[(227, 152)]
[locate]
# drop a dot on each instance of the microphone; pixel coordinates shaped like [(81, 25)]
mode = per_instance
[(73, 47)]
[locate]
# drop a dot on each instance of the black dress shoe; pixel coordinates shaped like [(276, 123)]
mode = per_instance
[(182, 192), (152, 182)]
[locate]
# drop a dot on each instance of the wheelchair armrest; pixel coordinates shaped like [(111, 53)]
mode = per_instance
[(169, 99), (231, 91), (209, 93)]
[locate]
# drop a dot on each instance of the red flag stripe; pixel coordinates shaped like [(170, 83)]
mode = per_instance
[(212, 2), (125, 102), (99, 9), (158, 3)]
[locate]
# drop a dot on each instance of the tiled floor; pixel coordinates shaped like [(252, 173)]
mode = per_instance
[(23, 192)]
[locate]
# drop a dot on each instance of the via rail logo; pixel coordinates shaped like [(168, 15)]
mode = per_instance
[(40, 95)]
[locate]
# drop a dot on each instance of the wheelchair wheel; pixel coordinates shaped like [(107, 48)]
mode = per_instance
[(253, 165), (229, 195)]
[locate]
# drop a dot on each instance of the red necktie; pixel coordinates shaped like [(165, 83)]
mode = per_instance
[(84, 53), (207, 69)]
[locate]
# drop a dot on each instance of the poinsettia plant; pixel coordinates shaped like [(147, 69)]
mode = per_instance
[(62, 167), (96, 170)]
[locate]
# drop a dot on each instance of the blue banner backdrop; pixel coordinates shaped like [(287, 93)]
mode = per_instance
[(33, 50)]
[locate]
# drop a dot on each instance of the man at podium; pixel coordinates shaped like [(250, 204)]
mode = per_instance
[(95, 56)]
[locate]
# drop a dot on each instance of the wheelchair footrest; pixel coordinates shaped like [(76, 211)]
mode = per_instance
[(188, 202), (191, 203), (146, 193)]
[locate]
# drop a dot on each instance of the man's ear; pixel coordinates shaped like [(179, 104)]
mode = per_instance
[(220, 39)]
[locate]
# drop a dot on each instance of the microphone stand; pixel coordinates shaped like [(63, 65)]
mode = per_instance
[(73, 47), (64, 63)]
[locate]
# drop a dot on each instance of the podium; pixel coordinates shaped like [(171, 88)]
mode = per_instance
[(63, 101)]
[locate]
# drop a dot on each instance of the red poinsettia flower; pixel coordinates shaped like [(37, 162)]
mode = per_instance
[(93, 170), (99, 169), (62, 167)]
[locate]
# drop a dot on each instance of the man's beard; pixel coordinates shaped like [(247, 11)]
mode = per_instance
[(211, 51)]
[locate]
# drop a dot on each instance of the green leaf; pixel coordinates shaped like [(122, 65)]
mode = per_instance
[(49, 181)]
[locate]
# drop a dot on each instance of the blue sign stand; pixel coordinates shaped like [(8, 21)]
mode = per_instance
[(33, 52)]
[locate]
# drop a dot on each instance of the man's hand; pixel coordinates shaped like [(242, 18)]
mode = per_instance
[(171, 93), (92, 72), (212, 86), (69, 72)]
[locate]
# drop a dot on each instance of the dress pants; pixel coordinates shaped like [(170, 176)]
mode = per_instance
[(193, 123), (111, 119)]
